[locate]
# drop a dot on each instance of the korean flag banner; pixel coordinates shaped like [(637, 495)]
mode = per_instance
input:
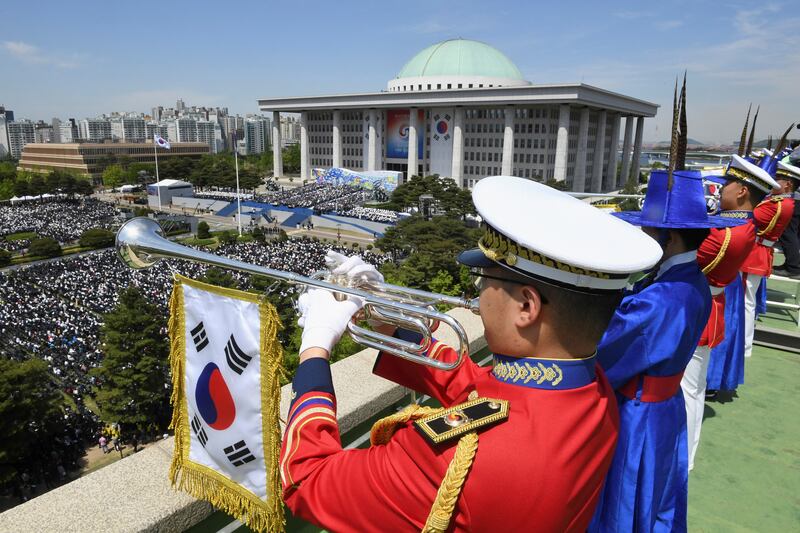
[(226, 362)]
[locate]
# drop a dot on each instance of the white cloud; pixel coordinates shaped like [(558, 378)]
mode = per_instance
[(28, 53)]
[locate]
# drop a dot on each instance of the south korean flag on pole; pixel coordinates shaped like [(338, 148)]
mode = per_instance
[(225, 363)]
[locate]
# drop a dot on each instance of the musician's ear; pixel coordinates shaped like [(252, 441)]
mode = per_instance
[(529, 303)]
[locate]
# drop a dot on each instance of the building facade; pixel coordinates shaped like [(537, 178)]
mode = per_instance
[(256, 135), (94, 129), (470, 113), (20, 134), (89, 158)]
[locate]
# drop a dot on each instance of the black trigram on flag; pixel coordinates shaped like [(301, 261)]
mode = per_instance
[(197, 427), (199, 336), (239, 454), (237, 359), (447, 137)]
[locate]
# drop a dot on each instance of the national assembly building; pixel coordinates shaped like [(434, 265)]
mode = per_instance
[(469, 113)]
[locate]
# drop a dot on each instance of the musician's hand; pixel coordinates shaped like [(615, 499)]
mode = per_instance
[(324, 319), (353, 267)]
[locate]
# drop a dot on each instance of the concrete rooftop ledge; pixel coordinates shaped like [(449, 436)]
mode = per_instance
[(134, 494)]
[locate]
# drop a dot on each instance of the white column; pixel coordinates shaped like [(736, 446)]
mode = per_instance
[(304, 171), (562, 143), (277, 155), (508, 142), (626, 152), (613, 144), (637, 148), (413, 155), (373, 139), (579, 179), (458, 148), (337, 138), (599, 150)]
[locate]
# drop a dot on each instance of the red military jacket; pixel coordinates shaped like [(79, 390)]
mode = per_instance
[(721, 256), (540, 470), (771, 217)]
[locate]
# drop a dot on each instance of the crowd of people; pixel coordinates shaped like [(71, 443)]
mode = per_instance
[(53, 310), (63, 220), (385, 216)]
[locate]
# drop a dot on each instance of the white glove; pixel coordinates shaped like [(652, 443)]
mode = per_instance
[(354, 268), (324, 319)]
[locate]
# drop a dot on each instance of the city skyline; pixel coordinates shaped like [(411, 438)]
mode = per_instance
[(735, 53)]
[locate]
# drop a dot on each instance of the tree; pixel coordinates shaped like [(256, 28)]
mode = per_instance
[(558, 185), (5, 257), (134, 386), (220, 278), (44, 247), (202, 230), (8, 171), (30, 417), (113, 176), (37, 186), (21, 187), (6, 189), (83, 187), (291, 159), (97, 238)]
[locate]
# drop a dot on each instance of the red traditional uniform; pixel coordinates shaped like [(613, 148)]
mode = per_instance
[(771, 217), (721, 256), (542, 469)]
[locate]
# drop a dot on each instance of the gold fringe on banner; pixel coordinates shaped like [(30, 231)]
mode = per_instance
[(200, 481)]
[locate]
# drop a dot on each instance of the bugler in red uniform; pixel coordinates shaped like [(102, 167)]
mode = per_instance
[(721, 256), (771, 217), (549, 457)]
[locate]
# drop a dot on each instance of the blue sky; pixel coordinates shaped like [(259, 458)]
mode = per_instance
[(78, 59)]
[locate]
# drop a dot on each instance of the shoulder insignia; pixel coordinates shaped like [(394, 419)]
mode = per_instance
[(462, 418)]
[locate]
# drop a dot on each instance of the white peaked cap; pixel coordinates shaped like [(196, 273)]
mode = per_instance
[(746, 171), (539, 231), (788, 171)]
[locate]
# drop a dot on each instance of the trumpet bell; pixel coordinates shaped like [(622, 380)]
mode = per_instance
[(133, 239)]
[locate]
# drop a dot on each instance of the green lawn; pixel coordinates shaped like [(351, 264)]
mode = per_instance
[(21, 236), (747, 469)]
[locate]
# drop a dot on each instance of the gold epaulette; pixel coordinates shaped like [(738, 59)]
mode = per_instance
[(463, 418)]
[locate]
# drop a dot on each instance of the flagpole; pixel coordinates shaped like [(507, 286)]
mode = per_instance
[(238, 193), (155, 152)]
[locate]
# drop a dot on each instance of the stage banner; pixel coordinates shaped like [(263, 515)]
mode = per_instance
[(441, 142), (397, 124), (386, 180), (226, 362)]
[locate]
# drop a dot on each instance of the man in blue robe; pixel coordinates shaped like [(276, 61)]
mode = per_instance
[(645, 350)]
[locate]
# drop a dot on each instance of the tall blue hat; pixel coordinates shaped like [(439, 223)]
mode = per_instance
[(676, 198), (682, 206)]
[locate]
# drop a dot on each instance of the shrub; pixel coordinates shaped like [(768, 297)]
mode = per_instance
[(44, 247), (202, 230), (5, 257), (370, 247), (96, 238)]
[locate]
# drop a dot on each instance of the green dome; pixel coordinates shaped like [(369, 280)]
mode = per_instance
[(461, 57)]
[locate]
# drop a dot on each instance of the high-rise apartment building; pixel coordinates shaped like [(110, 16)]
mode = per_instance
[(95, 129), (129, 129), (6, 116), (256, 135), (19, 134)]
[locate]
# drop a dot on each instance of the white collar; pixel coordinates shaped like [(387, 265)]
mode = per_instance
[(679, 259)]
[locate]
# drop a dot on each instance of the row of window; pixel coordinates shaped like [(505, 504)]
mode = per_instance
[(439, 86)]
